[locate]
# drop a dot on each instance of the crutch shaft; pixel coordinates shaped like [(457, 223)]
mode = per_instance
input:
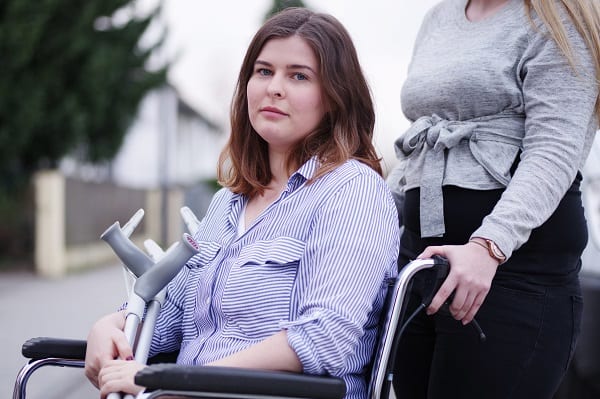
[(145, 339)]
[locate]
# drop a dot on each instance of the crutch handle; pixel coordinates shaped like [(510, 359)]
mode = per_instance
[(191, 221), (155, 279), (131, 256)]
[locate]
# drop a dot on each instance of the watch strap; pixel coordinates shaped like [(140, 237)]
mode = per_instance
[(491, 247)]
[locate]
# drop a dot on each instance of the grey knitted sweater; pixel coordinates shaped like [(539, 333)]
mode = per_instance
[(481, 94)]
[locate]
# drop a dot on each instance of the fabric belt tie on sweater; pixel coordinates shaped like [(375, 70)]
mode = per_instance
[(435, 135)]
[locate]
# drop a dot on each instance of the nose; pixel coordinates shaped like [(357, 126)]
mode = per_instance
[(275, 87)]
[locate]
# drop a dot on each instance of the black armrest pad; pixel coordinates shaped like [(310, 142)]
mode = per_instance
[(43, 347), (239, 381)]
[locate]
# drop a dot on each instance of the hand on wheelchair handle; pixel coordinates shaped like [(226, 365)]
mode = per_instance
[(430, 286), (469, 278)]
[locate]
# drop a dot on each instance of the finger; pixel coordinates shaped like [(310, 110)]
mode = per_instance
[(430, 251), (118, 376), (442, 295), (103, 361), (110, 387), (93, 368), (124, 350), (477, 302), (460, 309), (460, 295), (92, 375), (109, 373), (103, 375)]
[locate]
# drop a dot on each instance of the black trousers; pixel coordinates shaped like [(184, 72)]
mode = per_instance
[(531, 316)]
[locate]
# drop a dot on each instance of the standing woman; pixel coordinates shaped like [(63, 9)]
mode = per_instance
[(296, 250), (503, 95)]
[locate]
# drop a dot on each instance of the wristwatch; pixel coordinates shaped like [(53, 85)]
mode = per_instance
[(492, 248)]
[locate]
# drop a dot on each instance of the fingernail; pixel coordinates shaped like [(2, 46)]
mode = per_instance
[(129, 358)]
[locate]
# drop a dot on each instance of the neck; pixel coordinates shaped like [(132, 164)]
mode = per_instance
[(279, 169), (477, 10)]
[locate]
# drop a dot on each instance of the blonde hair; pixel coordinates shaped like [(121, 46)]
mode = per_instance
[(585, 16)]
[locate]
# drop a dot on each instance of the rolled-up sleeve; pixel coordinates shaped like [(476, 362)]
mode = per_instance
[(352, 249)]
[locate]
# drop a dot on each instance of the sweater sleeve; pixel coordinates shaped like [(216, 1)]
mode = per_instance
[(560, 123)]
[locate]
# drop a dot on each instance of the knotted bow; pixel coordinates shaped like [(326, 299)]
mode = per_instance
[(435, 135)]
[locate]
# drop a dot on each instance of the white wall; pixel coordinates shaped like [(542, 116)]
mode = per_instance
[(163, 146)]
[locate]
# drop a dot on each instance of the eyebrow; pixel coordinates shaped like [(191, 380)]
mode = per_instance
[(291, 66)]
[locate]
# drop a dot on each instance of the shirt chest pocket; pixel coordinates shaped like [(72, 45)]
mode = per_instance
[(208, 252), (258, 291)]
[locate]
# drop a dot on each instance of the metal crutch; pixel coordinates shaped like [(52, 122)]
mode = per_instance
[(152, 279), (155, 305), (19, 390)]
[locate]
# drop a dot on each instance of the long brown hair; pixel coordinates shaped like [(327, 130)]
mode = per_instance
[(585, 16), (346, 131)]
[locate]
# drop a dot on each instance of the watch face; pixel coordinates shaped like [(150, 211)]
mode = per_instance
[(495, 250)]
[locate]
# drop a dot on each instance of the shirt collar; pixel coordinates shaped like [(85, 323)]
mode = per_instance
[(238, 201), (304, 173)]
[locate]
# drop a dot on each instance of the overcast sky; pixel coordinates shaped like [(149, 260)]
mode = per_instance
[(209, 38)]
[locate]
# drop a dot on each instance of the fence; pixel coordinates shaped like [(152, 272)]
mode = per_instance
[(71, 215)]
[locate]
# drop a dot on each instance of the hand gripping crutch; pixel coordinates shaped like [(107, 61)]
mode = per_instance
[(148, 286), (26, 371)]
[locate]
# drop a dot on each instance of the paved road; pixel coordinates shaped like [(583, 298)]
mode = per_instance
[(31, 306)]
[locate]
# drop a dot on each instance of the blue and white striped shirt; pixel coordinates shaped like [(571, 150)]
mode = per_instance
[(315, 263)]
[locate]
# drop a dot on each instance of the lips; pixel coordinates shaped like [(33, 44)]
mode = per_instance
[(272, 111)]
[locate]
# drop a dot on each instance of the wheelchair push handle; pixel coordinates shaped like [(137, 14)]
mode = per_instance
[(431, 285), (441, 264), (435, 277)]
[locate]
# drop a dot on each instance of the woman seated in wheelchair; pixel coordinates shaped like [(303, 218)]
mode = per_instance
[(297, 248)]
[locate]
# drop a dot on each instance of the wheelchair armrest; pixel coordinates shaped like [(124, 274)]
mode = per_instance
[(44, 347), (229, 380)]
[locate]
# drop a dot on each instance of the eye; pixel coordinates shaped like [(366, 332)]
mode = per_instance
[(264, 72), (300, 76)]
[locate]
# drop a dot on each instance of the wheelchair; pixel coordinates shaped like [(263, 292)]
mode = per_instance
[(166, 379), (163, 378)]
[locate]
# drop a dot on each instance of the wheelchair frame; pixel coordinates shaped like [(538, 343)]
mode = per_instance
[(223, 382)]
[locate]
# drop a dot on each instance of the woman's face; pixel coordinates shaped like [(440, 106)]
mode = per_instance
[(284, 93)]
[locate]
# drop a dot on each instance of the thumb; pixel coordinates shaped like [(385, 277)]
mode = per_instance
[(430, 251), (124, 350)]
